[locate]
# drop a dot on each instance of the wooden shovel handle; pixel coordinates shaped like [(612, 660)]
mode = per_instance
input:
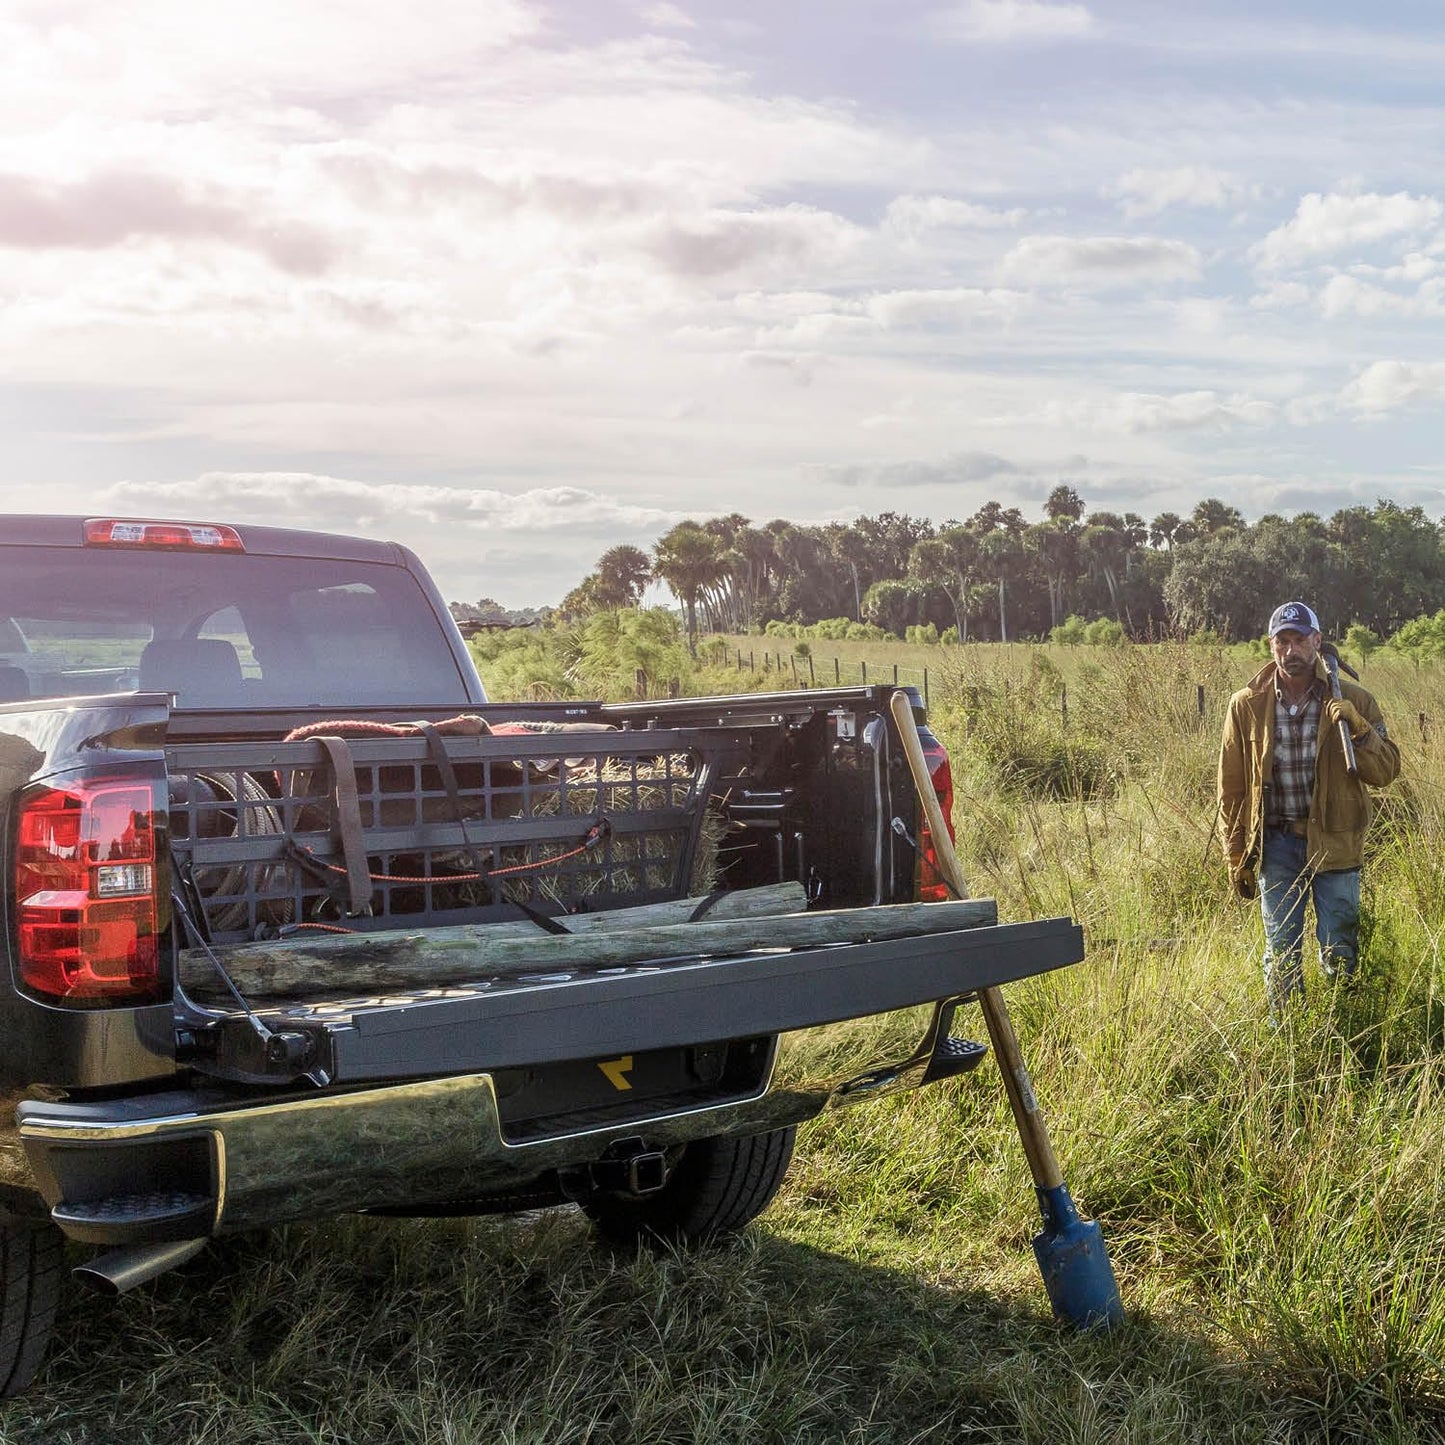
[(1033, 1132)]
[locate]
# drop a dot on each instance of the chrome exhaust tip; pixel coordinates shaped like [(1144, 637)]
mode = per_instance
[(119, 1270)]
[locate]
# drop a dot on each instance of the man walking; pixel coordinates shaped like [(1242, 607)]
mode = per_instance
[(1292, 812)]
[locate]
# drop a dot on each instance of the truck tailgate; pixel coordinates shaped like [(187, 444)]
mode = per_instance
[(547, 1018)]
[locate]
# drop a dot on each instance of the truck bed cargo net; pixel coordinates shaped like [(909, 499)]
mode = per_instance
[(368, 832)]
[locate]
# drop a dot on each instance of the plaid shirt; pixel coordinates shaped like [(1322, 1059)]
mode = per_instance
[(1295, 743)]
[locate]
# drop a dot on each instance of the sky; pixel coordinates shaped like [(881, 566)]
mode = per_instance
[(514, 282)]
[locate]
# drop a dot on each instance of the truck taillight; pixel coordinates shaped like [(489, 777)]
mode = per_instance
[(91, 890), (931, 887)]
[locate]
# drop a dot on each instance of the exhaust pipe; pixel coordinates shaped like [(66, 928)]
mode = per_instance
[(118, 1270)]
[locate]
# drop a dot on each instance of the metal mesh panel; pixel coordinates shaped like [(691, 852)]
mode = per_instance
[(257, 841)]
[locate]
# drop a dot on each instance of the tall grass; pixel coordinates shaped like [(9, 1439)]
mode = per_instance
[(1272, 1199)]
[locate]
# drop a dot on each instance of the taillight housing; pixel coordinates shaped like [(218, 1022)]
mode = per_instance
[(930, 883), (92, 890)]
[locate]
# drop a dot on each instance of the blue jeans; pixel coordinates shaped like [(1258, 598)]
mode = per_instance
[(1285, 885)]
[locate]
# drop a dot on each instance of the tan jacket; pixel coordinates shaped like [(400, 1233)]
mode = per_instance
[(1340, 806)]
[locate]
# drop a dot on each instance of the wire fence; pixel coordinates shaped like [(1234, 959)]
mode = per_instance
[(811, 671)]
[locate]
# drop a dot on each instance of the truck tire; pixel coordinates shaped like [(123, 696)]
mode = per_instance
[(30, 1278), (717, 1187)]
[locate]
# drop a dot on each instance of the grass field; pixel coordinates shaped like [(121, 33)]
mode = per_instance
[(1273, 1200)]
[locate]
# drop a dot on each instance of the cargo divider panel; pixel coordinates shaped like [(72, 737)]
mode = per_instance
[(553, 822)]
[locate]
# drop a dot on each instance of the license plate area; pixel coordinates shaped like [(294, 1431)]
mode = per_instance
[(554, 1099)]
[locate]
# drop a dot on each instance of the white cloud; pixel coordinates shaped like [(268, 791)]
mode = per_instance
[(927, 310), (1387, 386), (1281, 296), (666, 16), (1190, 411), (1324, 224), (108, 209), (999, 21), (1147, 192), (723, 242), (914, 218), (308, 500), (1349, 296), (1100, 261), (951, 471)]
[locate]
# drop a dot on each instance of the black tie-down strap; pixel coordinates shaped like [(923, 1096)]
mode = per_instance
[(359, 877), (348, 825), (437, 750)]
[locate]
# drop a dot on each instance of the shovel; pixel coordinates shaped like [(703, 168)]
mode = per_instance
[(1070, 1250)]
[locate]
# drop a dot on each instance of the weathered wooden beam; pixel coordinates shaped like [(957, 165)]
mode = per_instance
[(343, 965)]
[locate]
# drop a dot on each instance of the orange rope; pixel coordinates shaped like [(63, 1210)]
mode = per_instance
[(595, 834)]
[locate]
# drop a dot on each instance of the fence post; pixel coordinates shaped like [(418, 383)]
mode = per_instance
[(640, 678), (895, 674), (837, 676), (1200, 695), (864, 666), (795, 669), (752, 666), (812, 676), (1064, 705), (925, 689)]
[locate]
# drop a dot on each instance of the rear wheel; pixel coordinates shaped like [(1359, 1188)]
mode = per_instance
[(31, 1259), (714, 1189)]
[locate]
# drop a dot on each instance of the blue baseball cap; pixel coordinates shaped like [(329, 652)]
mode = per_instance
[(1293, 617)]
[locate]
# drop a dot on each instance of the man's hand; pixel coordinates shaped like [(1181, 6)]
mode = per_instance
[(1243, 881), (1342, 710)]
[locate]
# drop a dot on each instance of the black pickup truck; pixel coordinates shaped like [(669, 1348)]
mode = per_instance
[(287, 901)]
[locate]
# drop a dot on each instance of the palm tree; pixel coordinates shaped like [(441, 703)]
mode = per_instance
[(621, 575), (690, 561), (1164, 529)]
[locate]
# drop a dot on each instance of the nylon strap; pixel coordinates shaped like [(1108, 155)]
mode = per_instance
[(707, 905), (348, 825), (437, 750)]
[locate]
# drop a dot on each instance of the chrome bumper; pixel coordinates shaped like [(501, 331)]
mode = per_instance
[(201, 1164)]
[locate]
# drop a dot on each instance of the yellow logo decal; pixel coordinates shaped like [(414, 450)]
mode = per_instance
[(617, 1071)]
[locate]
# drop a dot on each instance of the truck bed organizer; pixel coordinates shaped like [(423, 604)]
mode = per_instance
[(263, 846)]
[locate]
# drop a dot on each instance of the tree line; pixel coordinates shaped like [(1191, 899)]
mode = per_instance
[(996, 576)]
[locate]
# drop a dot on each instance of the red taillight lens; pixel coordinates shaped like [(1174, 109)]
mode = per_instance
[(90, 890), (931, 887)]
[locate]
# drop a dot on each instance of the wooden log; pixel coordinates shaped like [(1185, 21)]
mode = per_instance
[(344, 965)]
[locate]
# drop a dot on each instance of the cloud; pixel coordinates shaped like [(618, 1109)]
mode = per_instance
[(1324, 224), (941, 309), (1100, 261), (109, 209), (1132, 413), (1281, 296), (914, 218), (723, 241), (666, 16), (1387, 386), (1006, 21), (1184, 411), (961, 467), (344, 504), (1146, 193)]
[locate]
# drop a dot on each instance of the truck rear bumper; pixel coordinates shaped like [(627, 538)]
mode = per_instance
[(190, 1164)]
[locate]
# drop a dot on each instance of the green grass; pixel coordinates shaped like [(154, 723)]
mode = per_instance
[(1273, 1200)]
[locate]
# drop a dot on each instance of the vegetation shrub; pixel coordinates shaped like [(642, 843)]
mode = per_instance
[(1421, 637)]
